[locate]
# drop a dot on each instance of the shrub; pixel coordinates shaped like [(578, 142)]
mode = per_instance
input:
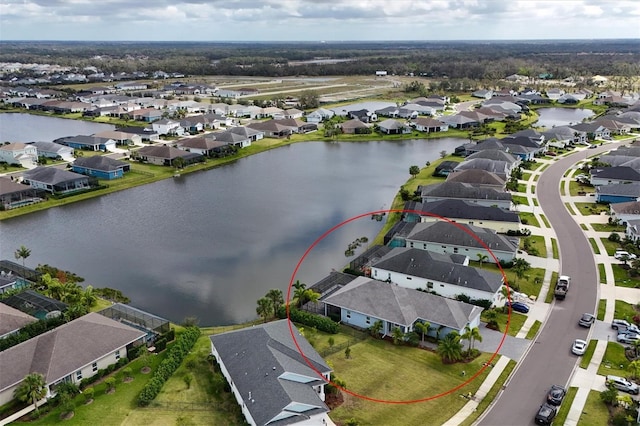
[(614, 236), (110, 382), (88, 394), (312, 320)]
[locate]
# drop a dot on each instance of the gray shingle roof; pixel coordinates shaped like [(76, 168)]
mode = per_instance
[(631, 207), (620, 172), (258, 357), (435, 266), (51, 175), (460, 234), (12, 319), (458, 209), (100, 162), (497, 167), (401, 305), (66, 349), (628, 189), (449, 189), (477, 177), (499, 153)]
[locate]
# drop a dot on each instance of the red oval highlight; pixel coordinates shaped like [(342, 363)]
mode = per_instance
[(365, 397)]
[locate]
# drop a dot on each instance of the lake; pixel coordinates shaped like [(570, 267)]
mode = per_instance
[(18, 127), (209, 244), (553, 117)]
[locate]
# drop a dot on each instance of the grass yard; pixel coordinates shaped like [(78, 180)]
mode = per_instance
[(602, 273), (584, 227), (422, 375), (575, 188), (622, 278), (563, 412), (624, 310), (535, 202), (610, 246), (535, 244), (533, 330), (554, 248), (594, 245), (602, 307), (586, 358), (614, 361), (529, 219), (530, 284), (517, 321), (519, 200), (587, 209), (522, 188), (554, 279), (570, 209), (595, 412), (546, 222), (606, 227)]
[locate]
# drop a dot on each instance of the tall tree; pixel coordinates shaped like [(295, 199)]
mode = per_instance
[(450, 348), (482, 258), (32, 389), (414, 171), (275, 295), (397, 335), (264, 308), (422, 328), (22, 253)]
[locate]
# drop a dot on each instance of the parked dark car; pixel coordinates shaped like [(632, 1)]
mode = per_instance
[(518, 307), (556, 395), (545, 415)]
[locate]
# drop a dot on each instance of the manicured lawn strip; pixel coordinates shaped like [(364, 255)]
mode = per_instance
[(602, 308), (535, 166), (563, 192), (602, 273), (535, 202), (533, 330), (516, 323), (554, 279), (554, 248), (546, 222), (570, 209), (491, 395), (614, 361), (401, 373), (622, 278), (535, 179), (606, 227), (575, 187), (530, 284), (107, 409), (584, 227), (624, 310), (526, 175), (522, 188), (529, 219), (591, 208), (586, 358), (520, 200), (610, 246), (594, 245), (595, 412), (563, 412), (536, 244)]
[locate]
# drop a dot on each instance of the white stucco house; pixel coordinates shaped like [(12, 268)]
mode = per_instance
[(22, 154)]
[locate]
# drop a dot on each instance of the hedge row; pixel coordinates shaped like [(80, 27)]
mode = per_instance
[(168, 365), (312, 320)]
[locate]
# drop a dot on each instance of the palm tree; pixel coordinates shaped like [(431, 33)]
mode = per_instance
[(422, 328), (438, 331), (482, 258), (32, 389), (520, 266), (264, 308), (376, 328), (397, 336), (275, 295), (474, 334), (298, 292), (311, 296), (634, 368), (22, 253), (449, 348), (467, 336), (88, 297)]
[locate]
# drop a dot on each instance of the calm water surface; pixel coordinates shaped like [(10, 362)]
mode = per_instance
[(15, 127), (210, 244), (551, 117)]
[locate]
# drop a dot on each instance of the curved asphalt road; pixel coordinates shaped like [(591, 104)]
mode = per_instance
[(549, 360)]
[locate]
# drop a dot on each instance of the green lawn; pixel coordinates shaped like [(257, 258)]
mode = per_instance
[(624, 310), (522, 188), (529, 219), (594, 245), (520, 200), (516, 323), (533, 330), (614, 361), (537, 247), (554, 279), (605, 227), (586, 358), (595, 412), (554, 247), (587, 209), (602, 273), (570, 209), (577, 187), (610, 246), (622, 278), (546, 222), (563, 412), (535, 202), (602, 307), (584, 227), (530, 283), (402, 373)]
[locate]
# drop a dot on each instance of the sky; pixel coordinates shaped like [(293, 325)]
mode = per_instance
[(317, 20)]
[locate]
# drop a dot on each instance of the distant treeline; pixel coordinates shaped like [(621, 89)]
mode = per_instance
[(456, 60)]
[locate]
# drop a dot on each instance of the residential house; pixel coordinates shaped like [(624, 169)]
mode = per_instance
[(11, 319), (319, 115), (273, 383), (625, 212), (501, 168), (478, 177), (364, 301), (209, 147), (591, 131), (482, 196), (413, 110), (13, 195), (363, 115), (89, 143), (271, 112), (146, 134), (435, 272), (231, 138), (292, 113), (632, 231), (165, 155), (429, 125), (248, 133), (454, 238), (445, 168), (148, 115), (354, 126), (277, 128), (483, 94), (55, 181), (167, 127), (500, 220), (615, 126), (618, 193), (460, 121), (393, 127), (69, 353), (20, 154), (614, 175), (100, 167), (569, 98), (247, 111), (554, 93), (560, 136), (494, 150), (121, 138)]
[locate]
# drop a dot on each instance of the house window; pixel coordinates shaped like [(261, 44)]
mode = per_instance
[(348, 314), (424, 246), (79, 375), (455, 249), (117, 355), (409, 278), (375, 272), (470, 223), (94, 367), (441, 285), (411, 244), (430, 285), (368, 320)]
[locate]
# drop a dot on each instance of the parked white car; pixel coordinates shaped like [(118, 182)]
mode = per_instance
[(620, 254)]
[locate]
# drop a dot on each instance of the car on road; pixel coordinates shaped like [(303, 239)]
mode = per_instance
[(628, 338), (579, 347), (622, 384), (545, 415), (518, 307), (556, 395), (586, 320), (622, 254)]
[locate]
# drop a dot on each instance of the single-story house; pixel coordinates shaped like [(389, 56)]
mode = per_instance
[(54, 150), (592, 130), (618, 193), (435, 272), (614, 175), (90, 143), (393, 127), (459, 211), (13, 194), (269, 377), (560, 136), (445, 168), (11, 319), (147, 115), (69, 353), (500, 168), (319, 115), (364, 301), (204, 146), (477, 177), (483, 196), (18, 153), (354, 126), (625, 212), (146, 134), (483, 94), (100, 167), (165, 155), (429, 125), (460, 121), (53, 180), (282, 128), (121, 138)]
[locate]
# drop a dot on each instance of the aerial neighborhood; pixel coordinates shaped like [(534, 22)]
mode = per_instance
[(469, 259)]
